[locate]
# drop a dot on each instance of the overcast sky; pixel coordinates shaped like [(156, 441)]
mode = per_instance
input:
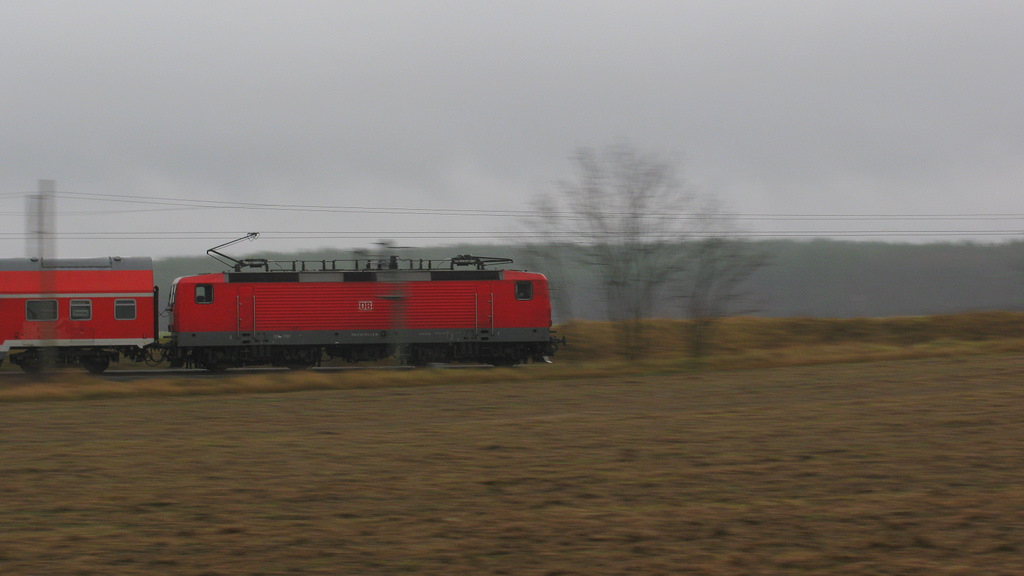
[(139, 110)]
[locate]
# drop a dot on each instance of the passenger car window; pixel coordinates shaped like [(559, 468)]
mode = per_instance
[(524, 290), (81, 310), (40, 310), (124, 309), (204, 293)]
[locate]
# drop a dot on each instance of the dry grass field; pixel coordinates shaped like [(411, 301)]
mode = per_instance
[(898, 466)]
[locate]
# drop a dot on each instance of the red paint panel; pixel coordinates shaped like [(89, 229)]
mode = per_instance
[(321, 306), (100, 287), (297, 306), (76, 281), (440, 305)]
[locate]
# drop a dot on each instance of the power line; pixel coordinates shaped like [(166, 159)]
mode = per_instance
[(223, 204), (177, 204), (557, 235), (167, 203)]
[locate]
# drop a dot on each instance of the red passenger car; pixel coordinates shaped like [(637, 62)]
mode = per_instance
[(83, 311), (294, 317)]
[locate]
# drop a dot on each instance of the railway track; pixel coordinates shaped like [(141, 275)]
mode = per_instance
[(132, 374)]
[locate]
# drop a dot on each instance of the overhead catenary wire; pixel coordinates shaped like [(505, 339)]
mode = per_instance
[(194, 204), (553, 236), (160, 204)]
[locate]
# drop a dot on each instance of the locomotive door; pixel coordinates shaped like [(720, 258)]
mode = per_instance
[(484, 313), (246, 304)]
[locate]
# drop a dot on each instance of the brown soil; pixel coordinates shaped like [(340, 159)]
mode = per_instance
[(908, 467)]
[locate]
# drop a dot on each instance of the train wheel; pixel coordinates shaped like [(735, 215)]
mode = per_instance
[(96, 364), (31, 366), (298, 358), (29, 361)]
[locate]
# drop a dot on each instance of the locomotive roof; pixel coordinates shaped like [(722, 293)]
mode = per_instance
[(364, 276), (390, 269), (101, 263)]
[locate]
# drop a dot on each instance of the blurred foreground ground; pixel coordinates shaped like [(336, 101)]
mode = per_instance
[(899, 467)]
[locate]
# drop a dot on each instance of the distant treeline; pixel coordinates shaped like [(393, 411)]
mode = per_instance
[(854, 279), (816, 278)]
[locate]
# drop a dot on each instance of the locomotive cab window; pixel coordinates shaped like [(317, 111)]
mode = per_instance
[(40, 310), (524, 290), (81, 310), (124, 309), (204, 293)]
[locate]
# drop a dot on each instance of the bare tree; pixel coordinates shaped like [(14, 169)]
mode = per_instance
[(630, 216), (720, 265), (627, 210)]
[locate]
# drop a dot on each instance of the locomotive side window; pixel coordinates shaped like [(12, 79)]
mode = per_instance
[(124, 309), (524, 290), (81, 310), (40, 310), (204, 293)]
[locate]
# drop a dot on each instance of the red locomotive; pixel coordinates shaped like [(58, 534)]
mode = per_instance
[(293, 313), (86, 312), (91, 312)]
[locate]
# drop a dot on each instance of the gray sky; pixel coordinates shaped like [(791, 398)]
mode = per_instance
[(785, 108)]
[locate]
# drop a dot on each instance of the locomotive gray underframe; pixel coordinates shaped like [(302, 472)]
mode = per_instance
[(363, 337)]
